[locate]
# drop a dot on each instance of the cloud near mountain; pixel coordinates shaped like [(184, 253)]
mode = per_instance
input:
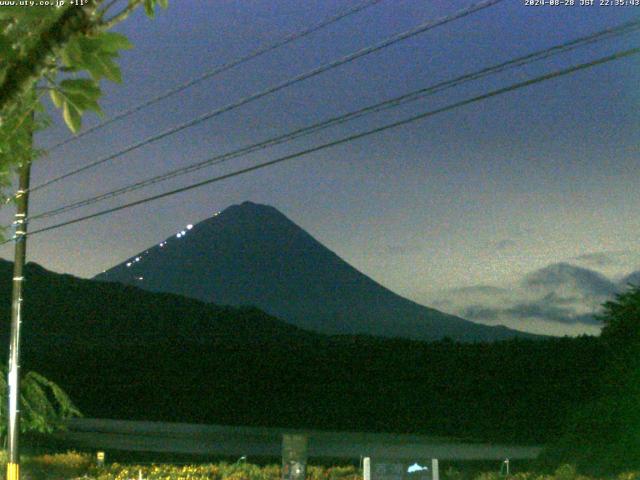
[(561, 298), (613, 264), (631, 279)]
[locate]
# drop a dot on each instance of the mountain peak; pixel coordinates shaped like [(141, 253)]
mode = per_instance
[(249, 205), (248, 208)]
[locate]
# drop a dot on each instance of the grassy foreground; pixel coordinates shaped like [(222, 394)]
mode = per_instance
[(74, 465)]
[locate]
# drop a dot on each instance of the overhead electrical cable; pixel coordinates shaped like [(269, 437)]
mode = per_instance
[(287, 83), (625, 28), (421, 116), (223, 68)]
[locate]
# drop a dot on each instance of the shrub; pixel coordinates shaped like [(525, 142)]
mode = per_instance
[(629, 476), (59, 465), (489, 476), (565, 472), (452, 473), (220, 471)]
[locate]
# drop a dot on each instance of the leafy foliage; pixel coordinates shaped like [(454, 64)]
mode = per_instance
[(74, 465), (603, 436), (621, 319), (44, 405), (219, 471), (66, 51), (621, 334), (59, 465)]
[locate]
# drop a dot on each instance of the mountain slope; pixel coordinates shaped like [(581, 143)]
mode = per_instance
[(253, 255)]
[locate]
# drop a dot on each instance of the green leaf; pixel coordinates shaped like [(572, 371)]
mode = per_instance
[(56, 97), (77, 101), (95, 107), (81, 86), (81, 103), (111, 69), (99, 62), (76, 96), (149, 8), (90, 44), (72, 54), (72, 117), (102, 65), (95, 67), (163, 3), (112, 42)]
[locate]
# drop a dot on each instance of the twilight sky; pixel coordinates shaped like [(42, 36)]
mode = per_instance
[(489, 195)]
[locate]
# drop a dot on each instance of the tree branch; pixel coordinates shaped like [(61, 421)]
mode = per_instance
[(122, 15), (24, 71)]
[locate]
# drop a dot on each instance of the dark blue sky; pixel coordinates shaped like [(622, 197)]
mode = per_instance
[(479, 195)]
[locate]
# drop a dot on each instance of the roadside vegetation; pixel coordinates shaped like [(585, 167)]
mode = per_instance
[(76, 465), (70, 465)]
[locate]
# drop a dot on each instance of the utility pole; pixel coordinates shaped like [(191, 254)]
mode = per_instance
[(13, 376)]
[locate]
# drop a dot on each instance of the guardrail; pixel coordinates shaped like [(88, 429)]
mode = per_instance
[(104, 434)]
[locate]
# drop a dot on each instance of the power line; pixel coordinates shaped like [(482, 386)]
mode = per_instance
[(223, 68), (493, 93), (287, 83), (625, 28)]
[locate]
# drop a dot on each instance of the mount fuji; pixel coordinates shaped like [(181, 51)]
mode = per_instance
[(252, 254)]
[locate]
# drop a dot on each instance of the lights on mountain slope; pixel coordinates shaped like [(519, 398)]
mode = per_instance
[(135, 260), (162, 244), (182, 233)]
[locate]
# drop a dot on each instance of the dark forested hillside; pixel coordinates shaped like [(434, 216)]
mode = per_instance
[(122, 352)]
